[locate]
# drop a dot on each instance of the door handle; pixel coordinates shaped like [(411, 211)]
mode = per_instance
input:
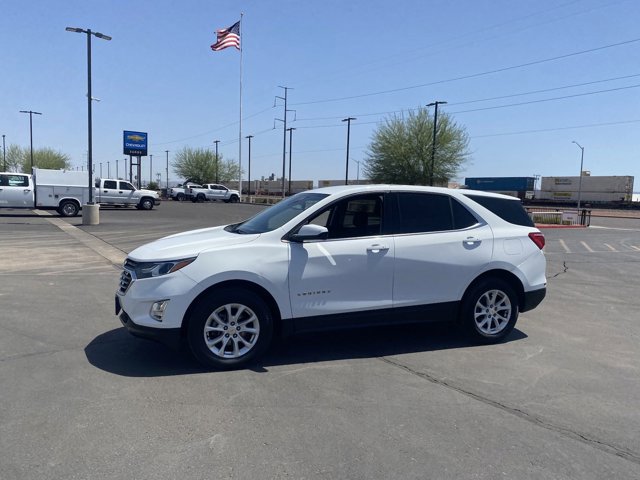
[(472, 241), (377, 248), (106, 191), (27, 190)]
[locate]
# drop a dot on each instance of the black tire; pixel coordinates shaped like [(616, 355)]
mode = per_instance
[(180, 197), (146, 203), (234, 199), (200, 198), (224, 349), (489, 311), (68, 208)]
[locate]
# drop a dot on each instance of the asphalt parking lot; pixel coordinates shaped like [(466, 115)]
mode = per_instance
[(80, 398)]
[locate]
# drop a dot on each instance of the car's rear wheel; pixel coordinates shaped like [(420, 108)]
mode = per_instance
[(229, 329), (180, 197), (69, 208), (490, 310)]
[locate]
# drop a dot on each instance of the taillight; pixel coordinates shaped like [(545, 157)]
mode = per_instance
[(538, 239)]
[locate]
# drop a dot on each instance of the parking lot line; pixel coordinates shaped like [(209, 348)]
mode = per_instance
[(584, 244), (564, 245), (610, 247)]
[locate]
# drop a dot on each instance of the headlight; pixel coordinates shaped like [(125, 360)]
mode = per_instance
[(157, 269)]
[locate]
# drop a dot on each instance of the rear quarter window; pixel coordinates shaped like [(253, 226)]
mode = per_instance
[(509, 210)]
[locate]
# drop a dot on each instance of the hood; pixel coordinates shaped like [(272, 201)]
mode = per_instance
[(151, 193), (188, 244)]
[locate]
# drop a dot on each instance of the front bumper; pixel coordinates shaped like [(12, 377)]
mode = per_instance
[(170, 337)]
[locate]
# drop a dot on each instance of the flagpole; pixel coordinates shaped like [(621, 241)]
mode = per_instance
[(240, 123)]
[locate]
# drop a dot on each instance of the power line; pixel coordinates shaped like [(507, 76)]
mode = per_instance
[(473, 75), (521, 132)]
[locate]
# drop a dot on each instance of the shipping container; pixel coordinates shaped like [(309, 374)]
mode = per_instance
[(622, 185), (585, 196), (501, 184)]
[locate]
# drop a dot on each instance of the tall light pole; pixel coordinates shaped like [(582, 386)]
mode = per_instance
[(88, 32), (348, 120), (291, 129), (248, 137), (358, 171), (580, 178), (150, 168), (31, 114), (167, 152), (433, 143), (4, 154), (108, 170), (217, 162)]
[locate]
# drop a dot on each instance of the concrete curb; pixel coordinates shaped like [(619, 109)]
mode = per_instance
[(102, 248)]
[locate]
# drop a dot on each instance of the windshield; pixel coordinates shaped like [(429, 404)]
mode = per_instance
[(279, 214)]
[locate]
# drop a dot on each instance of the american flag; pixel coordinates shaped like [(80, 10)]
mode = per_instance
[(227, 37)]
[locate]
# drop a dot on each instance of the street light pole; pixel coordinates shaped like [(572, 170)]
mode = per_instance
[(88, 32), (31, 113), (433, 143), (358, 171), (249, 137), (167, 152), (217, 142), (4, 154), (580, 178), (150, 168), (348, 120), (291, 129)]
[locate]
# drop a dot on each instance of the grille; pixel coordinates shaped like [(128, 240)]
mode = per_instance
[(125, 281), (125, 277)]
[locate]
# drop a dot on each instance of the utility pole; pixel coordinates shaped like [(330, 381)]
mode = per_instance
[(291, 129), (31, 113), (249, 137), (217, 162), (4, 154), (117, 170), (108, 170), (167, 152), (348, 120), (284, 136), (433, 143), (150, 168)]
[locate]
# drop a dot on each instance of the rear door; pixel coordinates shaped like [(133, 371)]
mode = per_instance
[(440, 248), (16, 190), (109, 191)]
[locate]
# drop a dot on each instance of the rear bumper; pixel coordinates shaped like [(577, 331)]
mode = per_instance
[(167, 336), (532, 299)]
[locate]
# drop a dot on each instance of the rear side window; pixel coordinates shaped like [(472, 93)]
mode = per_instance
[(427, 212), (509, 210), (112, 184)]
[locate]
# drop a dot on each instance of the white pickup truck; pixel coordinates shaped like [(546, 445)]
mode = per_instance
[(181, 192), (67, 191), (213, 191)]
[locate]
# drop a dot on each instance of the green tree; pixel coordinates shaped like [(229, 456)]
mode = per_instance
[(400, 151), (19, 159), (199, 165)]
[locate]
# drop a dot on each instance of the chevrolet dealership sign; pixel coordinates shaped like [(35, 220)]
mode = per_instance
[(135, 143)]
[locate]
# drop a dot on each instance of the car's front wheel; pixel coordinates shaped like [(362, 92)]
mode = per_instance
[(490, 310), (229, 329)]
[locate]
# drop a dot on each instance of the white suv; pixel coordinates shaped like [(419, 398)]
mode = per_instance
[(337, 257)]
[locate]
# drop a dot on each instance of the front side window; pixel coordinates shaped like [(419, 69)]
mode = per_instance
[(14, 180), (358, 216), (126, 186)]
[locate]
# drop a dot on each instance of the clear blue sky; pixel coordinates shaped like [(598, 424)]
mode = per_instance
[(159, 75)]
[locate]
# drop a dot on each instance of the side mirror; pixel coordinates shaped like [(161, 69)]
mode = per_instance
[(310, 232)]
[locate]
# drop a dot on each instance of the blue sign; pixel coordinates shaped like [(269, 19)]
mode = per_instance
[(135, 143)]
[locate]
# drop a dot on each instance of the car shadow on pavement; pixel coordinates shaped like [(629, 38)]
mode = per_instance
[(119, 353)]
